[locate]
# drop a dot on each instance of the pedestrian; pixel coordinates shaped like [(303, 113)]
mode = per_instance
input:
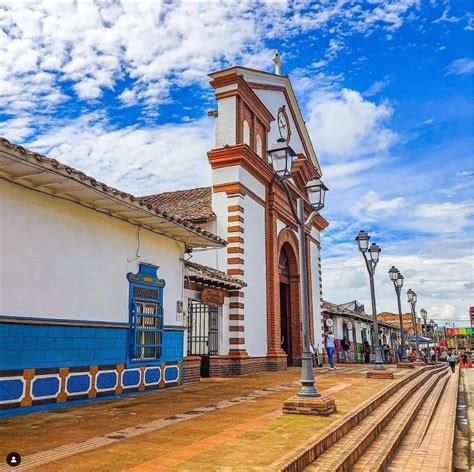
[(433, 355), (330, 348), (386, 354), (452, 362), (464, 360), (366, 352), (400, 353), (413, 355), (469, 360), (346, 345)]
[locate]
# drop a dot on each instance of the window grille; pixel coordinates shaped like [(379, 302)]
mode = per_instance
[(148, 331), (146, 314)]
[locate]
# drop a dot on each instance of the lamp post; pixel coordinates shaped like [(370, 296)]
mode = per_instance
[(397, 280), (412, 298), (371, 263), (435, 337), (424, 316), (308, 399)]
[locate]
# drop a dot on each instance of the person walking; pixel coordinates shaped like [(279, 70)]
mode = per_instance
[(346, 345), (366, 352), (464, 360), (330, 348), (452, 362), (400, 349), (433, 355), (469, 361)]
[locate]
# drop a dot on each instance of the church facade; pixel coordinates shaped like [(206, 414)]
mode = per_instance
[(259, 325)]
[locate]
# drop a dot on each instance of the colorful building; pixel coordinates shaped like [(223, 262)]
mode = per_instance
[(394, 320), (357, 326)]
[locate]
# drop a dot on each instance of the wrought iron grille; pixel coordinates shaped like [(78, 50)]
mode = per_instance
[(148, 326), (144, 292), (203, 329)]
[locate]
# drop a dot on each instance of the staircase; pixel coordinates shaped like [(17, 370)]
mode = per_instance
[(407, 426)]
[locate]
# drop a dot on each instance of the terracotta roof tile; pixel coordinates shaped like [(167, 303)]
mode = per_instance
[(212, 274), (192, 205)]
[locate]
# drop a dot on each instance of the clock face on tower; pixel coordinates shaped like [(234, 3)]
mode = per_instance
[(284, 124)]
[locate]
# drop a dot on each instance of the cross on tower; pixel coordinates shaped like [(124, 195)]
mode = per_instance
[(277, 62)]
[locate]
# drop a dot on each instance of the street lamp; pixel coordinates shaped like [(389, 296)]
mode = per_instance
[(424, 315), (412, 298), (397, 280), (281, 159), (371, 263), (435, 336)]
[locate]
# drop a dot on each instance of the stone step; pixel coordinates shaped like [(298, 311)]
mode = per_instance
[(311, 449), (345, 452), (420, 408), (434, 451)]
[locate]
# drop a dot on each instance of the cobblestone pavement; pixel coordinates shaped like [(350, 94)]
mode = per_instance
[(218, 424)]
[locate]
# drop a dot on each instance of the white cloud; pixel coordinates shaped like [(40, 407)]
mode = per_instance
[(345, 126), (156, 45), (445, 217), (17, 129), (371, 207), (461, 67), (376, 88), (438, 277), (137, 160)]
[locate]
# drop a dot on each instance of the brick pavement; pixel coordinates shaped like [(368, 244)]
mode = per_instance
[(431, 452), (238, 435)]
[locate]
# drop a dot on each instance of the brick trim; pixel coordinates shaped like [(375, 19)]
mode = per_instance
[(235, 250), (235, 229), (235, 239), (232, 208), (232, 218)]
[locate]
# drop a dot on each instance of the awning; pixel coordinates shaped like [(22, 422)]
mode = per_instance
[(420, 339), (206, 275), (37, 172)]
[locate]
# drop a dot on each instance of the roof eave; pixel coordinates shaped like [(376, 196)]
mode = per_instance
[(37, 172)]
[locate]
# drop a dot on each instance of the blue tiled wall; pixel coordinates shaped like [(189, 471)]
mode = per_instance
[(35, 346), (29, 346), (172, 346)]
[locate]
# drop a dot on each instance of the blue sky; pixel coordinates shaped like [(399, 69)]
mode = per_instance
[(386, 87)]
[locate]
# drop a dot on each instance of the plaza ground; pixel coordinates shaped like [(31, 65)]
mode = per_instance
[(217, 424), (236, 424)]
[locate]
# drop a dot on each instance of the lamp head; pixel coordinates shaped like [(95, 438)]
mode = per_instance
[(399, 281), (281, 157), (374, 252), (393, 273), (363, 241), (316, 193)]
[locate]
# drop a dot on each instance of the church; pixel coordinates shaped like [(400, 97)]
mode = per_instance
[(106, 293)]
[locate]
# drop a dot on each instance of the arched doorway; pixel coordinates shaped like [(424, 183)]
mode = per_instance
[(289, 305)]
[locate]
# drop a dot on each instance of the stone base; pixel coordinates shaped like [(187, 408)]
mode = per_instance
[(380, 374), (321, 406), (406, 365), (420, 363)]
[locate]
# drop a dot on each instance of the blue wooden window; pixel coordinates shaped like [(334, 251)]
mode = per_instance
[(146, 314)]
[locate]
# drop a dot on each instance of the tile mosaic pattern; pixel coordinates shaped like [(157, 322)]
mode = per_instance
[(31, 387)]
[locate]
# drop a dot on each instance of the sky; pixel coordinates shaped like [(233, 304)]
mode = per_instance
[(121, 92)]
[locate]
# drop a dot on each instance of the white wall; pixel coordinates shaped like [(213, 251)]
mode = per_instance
[(316, 293), (61, 260), (273, 100), (226, 121), (255, 276)]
